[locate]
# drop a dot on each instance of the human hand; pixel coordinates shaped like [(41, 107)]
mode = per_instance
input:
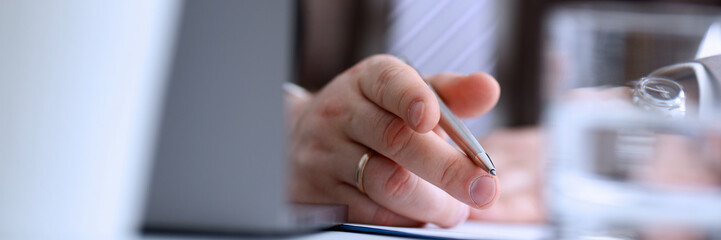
[(382, 105), (522, 179)]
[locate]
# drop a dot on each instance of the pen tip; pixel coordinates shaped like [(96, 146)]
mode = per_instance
[(493, 172)]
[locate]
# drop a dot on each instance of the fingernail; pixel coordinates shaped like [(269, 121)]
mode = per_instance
[(483, 189), (415, 113)]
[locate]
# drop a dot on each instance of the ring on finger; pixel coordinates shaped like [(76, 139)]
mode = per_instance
[(360, 170)]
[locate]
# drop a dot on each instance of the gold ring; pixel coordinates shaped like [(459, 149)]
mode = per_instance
[(359, 171)]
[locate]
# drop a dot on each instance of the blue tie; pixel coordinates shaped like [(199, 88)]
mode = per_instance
[(444, 35)]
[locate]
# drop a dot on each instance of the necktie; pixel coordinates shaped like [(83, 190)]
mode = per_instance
[(444, 35)]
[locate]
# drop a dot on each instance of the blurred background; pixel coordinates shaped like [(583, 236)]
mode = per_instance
[(332, 36)]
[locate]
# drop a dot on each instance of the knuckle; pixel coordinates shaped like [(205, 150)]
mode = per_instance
[(388, 72), (304, 165), (331, 109), (385, 76), (450, 173), (396, 136), (311, 149), (401, 184), (407, 94), (312, 152)]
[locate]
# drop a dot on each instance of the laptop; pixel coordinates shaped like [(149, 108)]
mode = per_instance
[(220, 158)]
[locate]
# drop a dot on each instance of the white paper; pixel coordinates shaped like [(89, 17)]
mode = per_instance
[(475, 230)]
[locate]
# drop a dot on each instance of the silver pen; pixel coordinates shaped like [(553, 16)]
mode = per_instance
[(463, 137)]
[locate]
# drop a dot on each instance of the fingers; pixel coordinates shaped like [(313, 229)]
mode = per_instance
[(363, 210), (468, 96), (425, 154), (522, 180), (394, 187), (390, 109), (397, 88)]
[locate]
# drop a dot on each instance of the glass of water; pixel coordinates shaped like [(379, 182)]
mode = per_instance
[(635, 152)]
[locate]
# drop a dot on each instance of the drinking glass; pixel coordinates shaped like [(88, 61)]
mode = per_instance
[(631, 155)]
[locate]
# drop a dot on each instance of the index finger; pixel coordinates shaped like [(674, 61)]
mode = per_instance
[(398, 88), (425, 154)]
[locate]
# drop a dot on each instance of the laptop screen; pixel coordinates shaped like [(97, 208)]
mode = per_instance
[(220, 159)]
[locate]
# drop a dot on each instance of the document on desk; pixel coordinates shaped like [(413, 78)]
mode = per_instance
[(467, 230)]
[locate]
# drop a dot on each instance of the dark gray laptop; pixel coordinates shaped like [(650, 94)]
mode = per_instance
[(220, 157)]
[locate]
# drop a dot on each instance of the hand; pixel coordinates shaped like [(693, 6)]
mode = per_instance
[(521, 174), (382, 105)]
